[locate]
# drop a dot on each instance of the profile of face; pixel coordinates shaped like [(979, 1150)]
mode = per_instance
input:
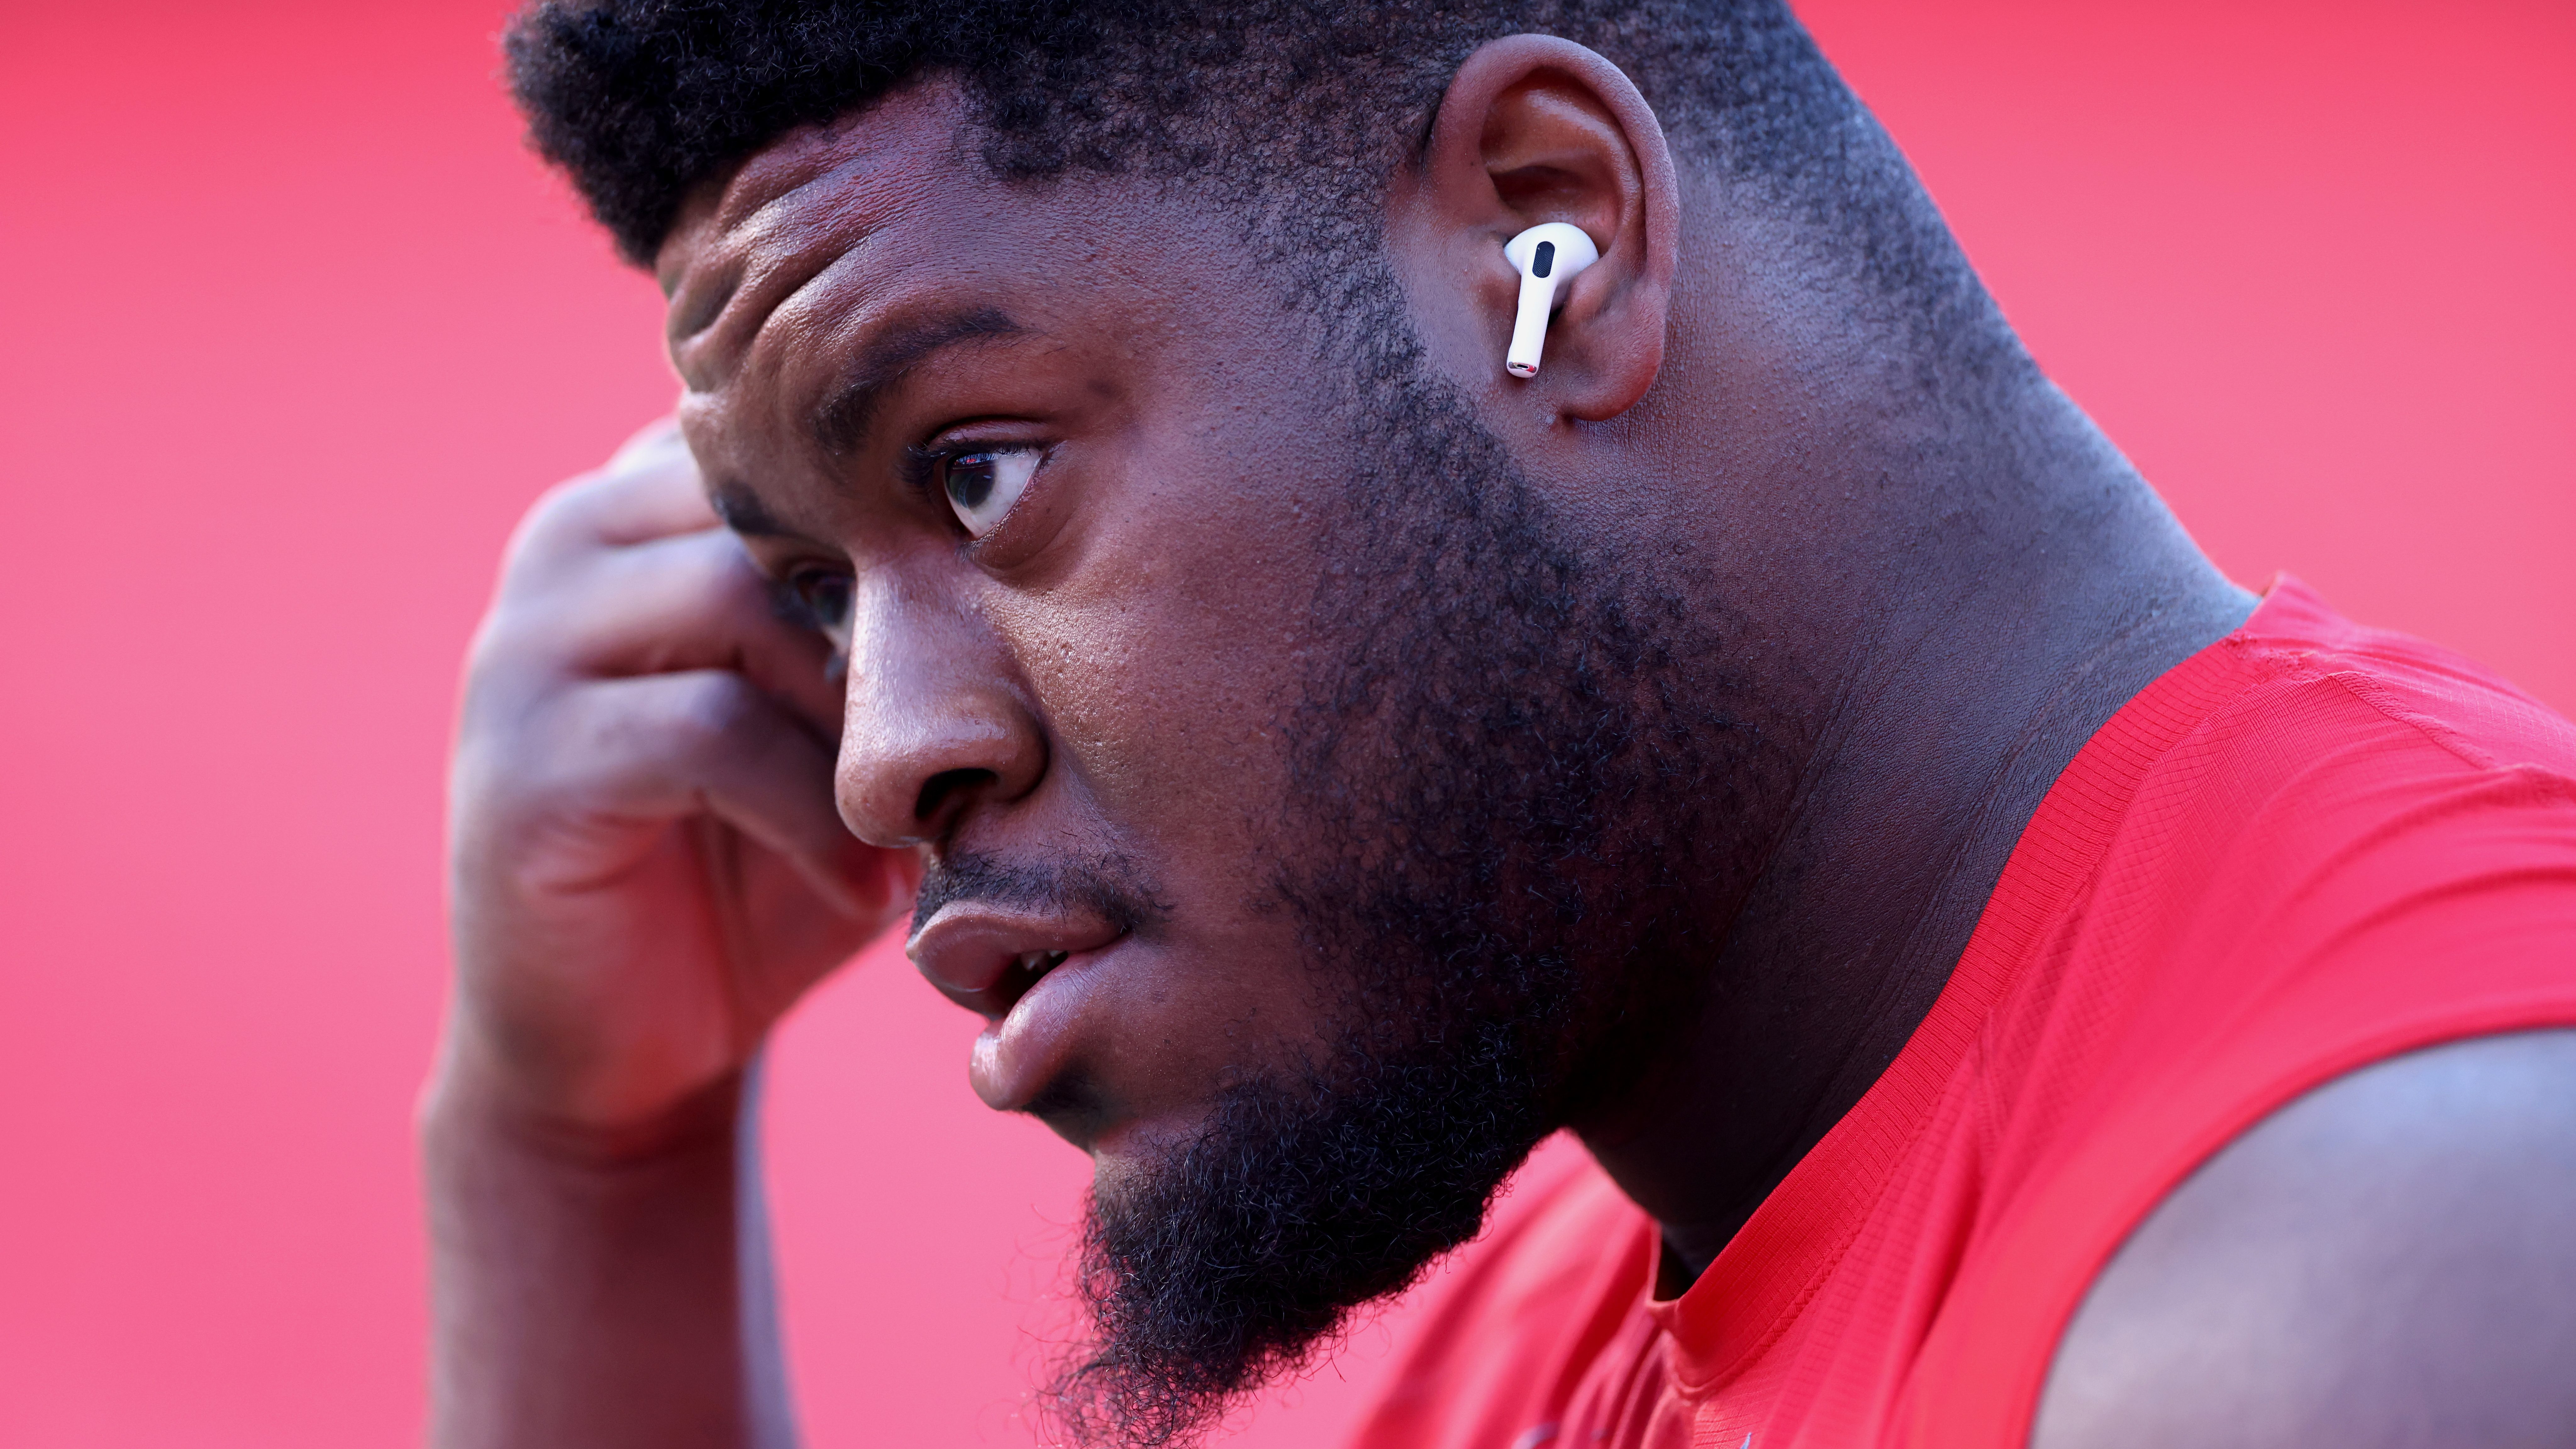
[(1315, 807)]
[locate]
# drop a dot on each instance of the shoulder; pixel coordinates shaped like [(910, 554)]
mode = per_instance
[(2301, 778), (2385, 1261), (2438, 702)]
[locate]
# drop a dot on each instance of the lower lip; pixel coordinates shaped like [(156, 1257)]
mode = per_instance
[(1015, 1058)]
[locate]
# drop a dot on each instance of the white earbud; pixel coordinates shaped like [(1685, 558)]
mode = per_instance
[(1547, 256)]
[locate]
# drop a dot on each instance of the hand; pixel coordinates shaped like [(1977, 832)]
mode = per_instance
[(646, 865)]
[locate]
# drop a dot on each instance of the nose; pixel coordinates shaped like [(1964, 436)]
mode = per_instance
[(932, 728)]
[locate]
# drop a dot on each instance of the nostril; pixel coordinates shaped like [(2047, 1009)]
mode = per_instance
[(942, 794)]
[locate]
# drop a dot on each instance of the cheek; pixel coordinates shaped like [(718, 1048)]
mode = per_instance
[(1164, 710), (1165, 665)]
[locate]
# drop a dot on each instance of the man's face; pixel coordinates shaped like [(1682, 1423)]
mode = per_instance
[(1097, 684), (1307, 811)]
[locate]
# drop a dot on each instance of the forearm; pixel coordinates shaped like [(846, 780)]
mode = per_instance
[(646, 870), (587, 1296)]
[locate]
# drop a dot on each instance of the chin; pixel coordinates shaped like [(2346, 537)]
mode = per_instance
[(1128, 1150)]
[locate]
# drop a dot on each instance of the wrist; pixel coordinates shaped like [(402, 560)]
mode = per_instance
[(469, 1104)]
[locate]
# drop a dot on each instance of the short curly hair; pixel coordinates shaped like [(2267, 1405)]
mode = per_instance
[(642, 100)]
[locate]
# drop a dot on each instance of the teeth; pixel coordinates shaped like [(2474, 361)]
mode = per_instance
[(1037, 963)]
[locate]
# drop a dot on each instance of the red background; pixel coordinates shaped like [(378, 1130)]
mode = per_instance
[(293, 330)]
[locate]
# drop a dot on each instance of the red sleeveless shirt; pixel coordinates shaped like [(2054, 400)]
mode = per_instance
[(2306, 848)]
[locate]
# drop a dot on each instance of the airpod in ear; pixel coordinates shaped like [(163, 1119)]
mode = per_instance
[(1547, 256)]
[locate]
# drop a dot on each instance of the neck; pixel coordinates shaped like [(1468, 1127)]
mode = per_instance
[(2022, 620)]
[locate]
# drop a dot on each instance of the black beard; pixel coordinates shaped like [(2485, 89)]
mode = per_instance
[(1298, 1200), (1520, 812)]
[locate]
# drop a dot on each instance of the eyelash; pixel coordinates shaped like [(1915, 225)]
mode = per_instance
[(797, 598), (919, 466)]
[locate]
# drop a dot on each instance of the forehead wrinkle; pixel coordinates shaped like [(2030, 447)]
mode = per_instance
[(767, 276), (773, 249)]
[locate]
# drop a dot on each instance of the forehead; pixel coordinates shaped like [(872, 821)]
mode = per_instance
[(895, 207), (789, 225), (842, 244)]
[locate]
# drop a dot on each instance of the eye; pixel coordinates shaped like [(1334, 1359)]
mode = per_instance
[(823, 597), (983, 484)]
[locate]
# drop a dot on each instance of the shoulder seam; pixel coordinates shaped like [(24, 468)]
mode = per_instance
[(2365, 689)]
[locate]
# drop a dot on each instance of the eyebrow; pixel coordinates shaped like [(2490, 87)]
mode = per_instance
[(842, 421), (742, 511)]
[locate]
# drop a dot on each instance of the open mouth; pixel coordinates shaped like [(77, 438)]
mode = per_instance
[(1024, 972), (1034, 1028)]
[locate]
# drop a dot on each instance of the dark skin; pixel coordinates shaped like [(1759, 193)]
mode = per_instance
[(650, 864)]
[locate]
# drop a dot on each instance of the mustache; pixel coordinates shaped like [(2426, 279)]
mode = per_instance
[(1110, 886)]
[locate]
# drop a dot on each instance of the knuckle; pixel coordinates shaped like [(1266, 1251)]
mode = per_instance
[(713, 713), (512, 648), (563, 514)]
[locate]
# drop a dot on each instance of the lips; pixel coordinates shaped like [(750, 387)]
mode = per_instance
[(1027, 971), (1017, 1058), (1024, 972)]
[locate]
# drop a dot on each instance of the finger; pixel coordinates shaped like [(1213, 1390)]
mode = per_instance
[(651, 489), (695, 601), (665, 747), (654, 436)]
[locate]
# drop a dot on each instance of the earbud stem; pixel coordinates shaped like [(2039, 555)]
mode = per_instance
[(1529, 325)]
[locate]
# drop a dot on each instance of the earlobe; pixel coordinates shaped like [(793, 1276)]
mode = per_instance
[(1535, 130)]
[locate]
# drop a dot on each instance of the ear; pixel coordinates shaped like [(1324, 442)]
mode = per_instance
[(1533, 129)]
